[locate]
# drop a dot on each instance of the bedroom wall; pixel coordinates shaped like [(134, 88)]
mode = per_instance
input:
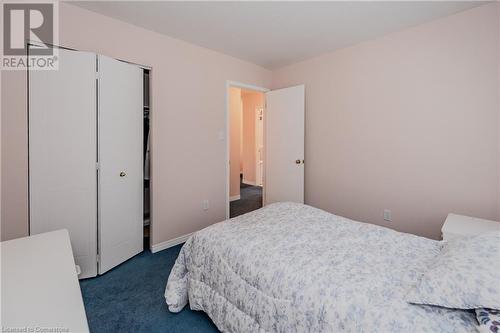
[(407, 122), (188, 117), (235, 122)]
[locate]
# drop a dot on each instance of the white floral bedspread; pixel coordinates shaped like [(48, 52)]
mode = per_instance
[(294, 268)]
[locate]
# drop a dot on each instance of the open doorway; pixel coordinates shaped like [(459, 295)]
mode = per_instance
[(246, 107)]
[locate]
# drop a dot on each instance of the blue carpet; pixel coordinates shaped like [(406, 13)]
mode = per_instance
[(129, 298)]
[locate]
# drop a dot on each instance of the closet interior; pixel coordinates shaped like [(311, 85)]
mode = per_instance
[(147, 160)]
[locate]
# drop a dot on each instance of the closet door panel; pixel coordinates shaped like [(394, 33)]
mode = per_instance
[(63, 154), (121, 162)]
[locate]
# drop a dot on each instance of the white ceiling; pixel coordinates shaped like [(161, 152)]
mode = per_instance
[(275, 34)]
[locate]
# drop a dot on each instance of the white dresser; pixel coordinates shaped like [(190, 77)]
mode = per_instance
[(461, 225), (40, 290)]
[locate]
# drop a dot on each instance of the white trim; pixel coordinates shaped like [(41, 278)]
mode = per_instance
[(259, 156), (170, 243), (249, 182), (229, 84), (235, 197)]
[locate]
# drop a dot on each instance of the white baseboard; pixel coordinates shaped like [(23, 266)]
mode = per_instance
[(248, 182), (170, 243), (235, 197)]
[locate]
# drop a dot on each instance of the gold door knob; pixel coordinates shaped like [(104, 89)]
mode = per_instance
[(297, 161), (122, 174)]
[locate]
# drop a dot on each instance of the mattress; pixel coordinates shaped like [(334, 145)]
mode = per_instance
[(293, 268)]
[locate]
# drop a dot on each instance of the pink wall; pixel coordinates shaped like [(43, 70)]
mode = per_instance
[(235, 121), (188, 101), (251, 101), (407, 122)]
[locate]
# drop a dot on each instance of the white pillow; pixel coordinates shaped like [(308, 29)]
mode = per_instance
[(465, 275)]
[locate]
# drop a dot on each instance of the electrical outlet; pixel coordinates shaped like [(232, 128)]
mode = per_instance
[(387, 215), (206, 205)]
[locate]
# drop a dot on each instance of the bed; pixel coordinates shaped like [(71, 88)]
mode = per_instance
[(293, 268)]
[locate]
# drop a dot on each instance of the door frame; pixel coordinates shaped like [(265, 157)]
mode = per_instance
[(227, 133)]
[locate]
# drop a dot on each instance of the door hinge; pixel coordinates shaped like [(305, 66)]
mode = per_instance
[(97, 166), (98, 258), (97, 75)]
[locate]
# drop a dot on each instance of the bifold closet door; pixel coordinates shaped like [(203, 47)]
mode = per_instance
[(120, 162), (63, 154)]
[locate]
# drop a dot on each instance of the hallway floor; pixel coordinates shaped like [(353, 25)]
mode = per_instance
[(250, 200)]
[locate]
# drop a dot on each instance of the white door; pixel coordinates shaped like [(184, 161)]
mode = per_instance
[(120, 162), (62, 154), (259, 146), (284, 150)]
